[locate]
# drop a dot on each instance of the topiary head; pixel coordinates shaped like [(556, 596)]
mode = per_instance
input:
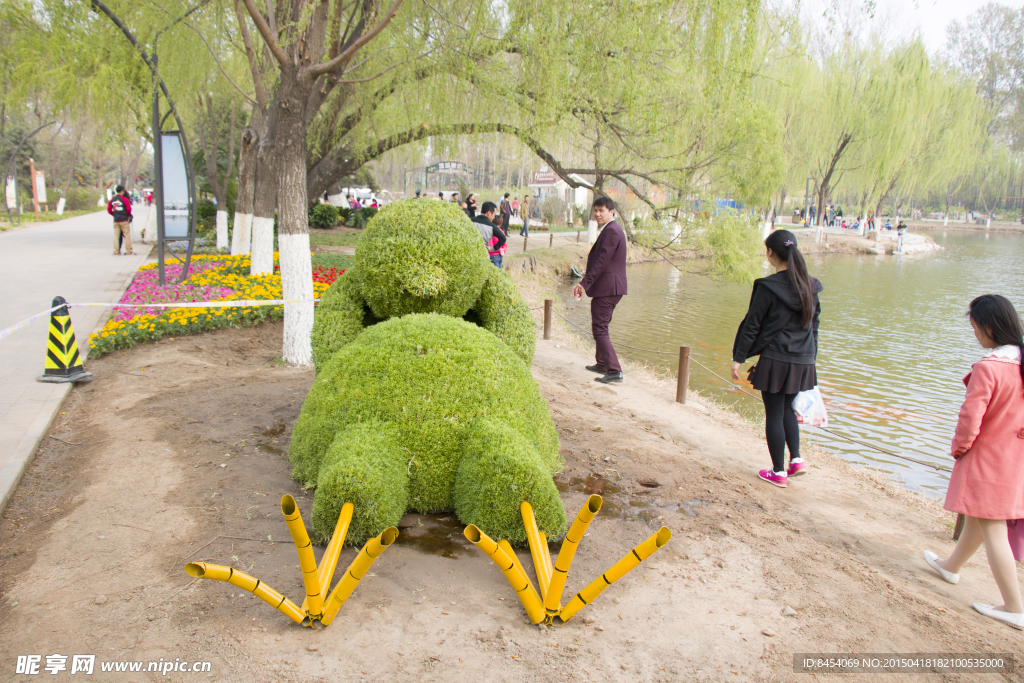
[(420, 257)]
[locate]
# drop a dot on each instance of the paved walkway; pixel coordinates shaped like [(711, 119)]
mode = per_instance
[(70, 258)]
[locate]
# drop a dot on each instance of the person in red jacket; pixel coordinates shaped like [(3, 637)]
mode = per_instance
[(605, 281), (120, 207)]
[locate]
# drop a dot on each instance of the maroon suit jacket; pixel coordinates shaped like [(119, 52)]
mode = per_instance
[(606, 263)]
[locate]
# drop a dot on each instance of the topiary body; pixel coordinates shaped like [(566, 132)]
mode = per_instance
[(429, 413), (421, 256)]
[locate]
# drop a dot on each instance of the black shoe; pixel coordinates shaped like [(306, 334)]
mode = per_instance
[(610, 378), (598, 369)]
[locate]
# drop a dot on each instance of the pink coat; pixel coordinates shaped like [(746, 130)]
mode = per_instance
[(988, 477)]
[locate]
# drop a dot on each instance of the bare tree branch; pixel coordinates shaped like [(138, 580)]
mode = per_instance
[(350, 51), (268, 35)]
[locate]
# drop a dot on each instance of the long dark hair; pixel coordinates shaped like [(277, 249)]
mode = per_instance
[(783, 245), (997, 318)]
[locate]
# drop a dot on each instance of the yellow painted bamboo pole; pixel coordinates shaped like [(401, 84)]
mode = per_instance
[(506, 547), (538, 548), (293, 518), (553, 598), (546, 555), (217, 572), (617, 571), (356, 571), (329, 560), (515, 576)]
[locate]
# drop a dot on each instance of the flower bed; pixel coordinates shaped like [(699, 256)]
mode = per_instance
[(213, 278)]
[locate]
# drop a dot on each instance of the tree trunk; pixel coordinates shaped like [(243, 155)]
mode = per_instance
[(71, 166), (242, 235), (265, 197), (293, 233)]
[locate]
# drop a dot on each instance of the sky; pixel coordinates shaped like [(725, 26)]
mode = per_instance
[(930, 17)]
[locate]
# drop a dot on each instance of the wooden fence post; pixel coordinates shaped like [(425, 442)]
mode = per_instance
[(551, 240), (683, 378), (577, 237), (547, 318), (525, 240)]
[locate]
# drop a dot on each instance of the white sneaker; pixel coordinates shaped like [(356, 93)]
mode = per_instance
[(932, 560), (1011, 618)]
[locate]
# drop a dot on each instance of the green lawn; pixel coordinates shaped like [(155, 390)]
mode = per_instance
[(339, 239), (343, 261)]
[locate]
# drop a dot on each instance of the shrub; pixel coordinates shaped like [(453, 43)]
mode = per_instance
[(502, 311), (80, 199), (344, 214), (361, 217), (420, 257), (323, 217), (339, 318), (429, 413), (552, 208)]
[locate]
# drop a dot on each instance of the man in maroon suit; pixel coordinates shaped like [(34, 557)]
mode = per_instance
[(605, 282)]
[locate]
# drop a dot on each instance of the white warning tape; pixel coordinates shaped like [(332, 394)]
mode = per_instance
[(7, 331), (234, 303)]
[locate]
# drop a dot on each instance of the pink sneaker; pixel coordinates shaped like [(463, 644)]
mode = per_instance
[(772, 478), (796, 469)]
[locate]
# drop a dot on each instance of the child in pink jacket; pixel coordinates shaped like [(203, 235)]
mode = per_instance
[(987, 484)]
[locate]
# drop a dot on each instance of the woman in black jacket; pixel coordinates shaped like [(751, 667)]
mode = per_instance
[(781, 326)]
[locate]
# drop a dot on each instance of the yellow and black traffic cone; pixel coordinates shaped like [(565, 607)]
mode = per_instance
[(63, 364)]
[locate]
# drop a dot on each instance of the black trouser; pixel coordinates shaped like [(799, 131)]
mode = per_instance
[(781, 428)]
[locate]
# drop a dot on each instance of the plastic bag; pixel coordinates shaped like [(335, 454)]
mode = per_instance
[(809, 407)]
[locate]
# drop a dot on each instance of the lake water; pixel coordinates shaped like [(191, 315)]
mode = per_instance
[(894, 341)]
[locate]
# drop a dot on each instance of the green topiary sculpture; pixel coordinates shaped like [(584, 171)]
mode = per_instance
[(429, 413), (421, 256)]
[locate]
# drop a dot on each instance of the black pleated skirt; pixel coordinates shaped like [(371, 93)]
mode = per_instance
[(776, 376)]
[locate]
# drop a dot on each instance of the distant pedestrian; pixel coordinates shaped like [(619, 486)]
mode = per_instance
[(515, 206), (605, 283), (525, 208), (987, 483), (901, 231), (120, 207), (505, 209), (419, 194), (781, 327), (440, 196), (494, 238), (471, 206)]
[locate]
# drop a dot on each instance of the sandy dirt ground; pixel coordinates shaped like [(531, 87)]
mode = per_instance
[(178, 451)]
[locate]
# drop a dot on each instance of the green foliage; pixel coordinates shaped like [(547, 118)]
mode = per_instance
[(365, 466), (81, 199), (323, 217), (206, 212), (338, 319), (456, 401), (499, 470), (502, 310), (420, 257), (359, 219), (344, 214)]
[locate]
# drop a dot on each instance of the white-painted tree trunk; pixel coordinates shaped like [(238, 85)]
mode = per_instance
[(297, 283), (945, 221), (591, 231), (988, 222), (222, 229), (241, 237), (263, 246), (336, 199)]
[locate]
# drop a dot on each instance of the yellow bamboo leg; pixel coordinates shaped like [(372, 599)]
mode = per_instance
[(329, 560), (293, 518), (506, 547), (515, 576), (217, 572), (538, 548), (617, 571), (356, 571), (553, 598)]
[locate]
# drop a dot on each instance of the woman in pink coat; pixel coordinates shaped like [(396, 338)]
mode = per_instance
[(987, 484)]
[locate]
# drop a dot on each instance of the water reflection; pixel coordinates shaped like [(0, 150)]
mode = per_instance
[(894, 341)]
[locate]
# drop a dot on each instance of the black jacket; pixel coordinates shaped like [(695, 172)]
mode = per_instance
[(487, 231), (772, 328)]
